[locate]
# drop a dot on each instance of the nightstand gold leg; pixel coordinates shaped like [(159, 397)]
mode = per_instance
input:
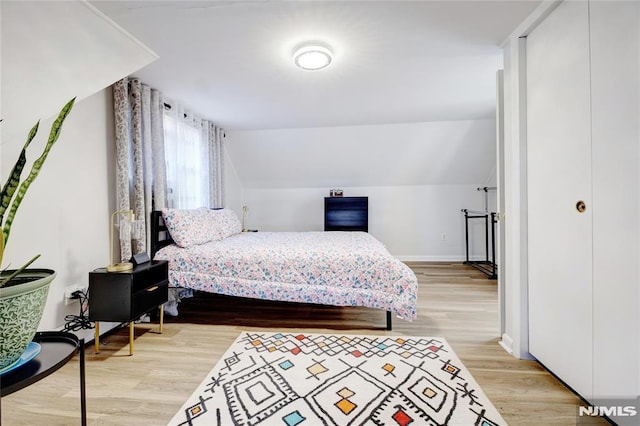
[(96, 337), (131, 333), (161, 317)]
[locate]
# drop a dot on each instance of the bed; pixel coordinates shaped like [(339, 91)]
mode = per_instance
[(208, 252)]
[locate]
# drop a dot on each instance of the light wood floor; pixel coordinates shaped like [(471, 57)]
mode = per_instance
[(455, 302)]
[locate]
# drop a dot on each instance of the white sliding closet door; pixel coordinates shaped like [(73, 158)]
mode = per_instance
[(559, 177)]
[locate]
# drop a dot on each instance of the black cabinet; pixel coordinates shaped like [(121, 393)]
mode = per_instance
[(125, 296)]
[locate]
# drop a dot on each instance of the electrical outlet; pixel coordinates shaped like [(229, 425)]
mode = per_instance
[(67, 298), (68, 294)]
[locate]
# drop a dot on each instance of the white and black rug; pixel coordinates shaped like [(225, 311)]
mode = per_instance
[(288, 379)]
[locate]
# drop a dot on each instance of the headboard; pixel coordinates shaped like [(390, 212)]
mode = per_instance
[(159, 234)]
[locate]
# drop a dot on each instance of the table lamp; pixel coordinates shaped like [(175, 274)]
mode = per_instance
[(129, 229), (245, 213)]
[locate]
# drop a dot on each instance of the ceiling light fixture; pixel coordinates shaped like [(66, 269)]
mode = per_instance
[(312, 56)]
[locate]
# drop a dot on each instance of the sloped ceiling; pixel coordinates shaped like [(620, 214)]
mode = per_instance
[(396, 62), (53, 51), (434, 153)]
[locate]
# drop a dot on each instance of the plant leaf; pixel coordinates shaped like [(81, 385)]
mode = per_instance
[(17, 271), (14, 177), (56, 127), (1, 247)]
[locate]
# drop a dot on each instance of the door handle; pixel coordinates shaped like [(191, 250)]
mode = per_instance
[(581, 206)]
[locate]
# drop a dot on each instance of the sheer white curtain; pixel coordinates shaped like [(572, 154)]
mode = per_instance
[(187, 158), (193, 155)]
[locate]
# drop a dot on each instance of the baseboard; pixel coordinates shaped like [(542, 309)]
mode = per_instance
[(507, 345), (438, 258)]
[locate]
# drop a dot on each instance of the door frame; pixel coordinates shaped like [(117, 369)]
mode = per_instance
[(513, 253)]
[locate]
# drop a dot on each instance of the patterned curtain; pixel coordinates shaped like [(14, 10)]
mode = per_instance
[(216, 137), (140, 162)]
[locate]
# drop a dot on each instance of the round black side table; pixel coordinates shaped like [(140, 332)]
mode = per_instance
[(58, 347)]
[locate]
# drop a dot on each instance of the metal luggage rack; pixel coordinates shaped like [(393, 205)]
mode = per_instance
[(488, 265)]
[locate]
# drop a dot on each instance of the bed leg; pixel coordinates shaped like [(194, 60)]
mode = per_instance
[(389, 320)]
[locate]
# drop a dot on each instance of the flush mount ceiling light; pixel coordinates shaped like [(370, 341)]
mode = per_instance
[(312, 56)]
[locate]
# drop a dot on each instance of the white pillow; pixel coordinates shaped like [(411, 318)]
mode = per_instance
[(190, 227), (227, 223)]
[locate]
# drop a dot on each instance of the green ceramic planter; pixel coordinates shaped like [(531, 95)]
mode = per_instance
[(21, 307)]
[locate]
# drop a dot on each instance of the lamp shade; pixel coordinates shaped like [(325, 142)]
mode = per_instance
[(129, 228)]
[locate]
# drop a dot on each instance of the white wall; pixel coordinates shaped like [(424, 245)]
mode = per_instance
[(409, 220), (54, 50), (427, 153), (65, 214)]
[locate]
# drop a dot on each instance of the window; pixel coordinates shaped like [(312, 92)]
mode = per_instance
[(186, 140)]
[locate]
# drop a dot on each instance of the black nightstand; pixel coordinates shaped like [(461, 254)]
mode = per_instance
[(125, 296)]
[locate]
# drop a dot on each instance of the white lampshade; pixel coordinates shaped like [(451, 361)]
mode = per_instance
[(312, 57)]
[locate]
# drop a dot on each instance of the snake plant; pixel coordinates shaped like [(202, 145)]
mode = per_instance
[(14, 190)]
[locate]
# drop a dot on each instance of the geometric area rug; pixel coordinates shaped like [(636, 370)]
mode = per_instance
[(291, 379)]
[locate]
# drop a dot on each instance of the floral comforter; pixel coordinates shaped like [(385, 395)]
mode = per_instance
[(330, 268)]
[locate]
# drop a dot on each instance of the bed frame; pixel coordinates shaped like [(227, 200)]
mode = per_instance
[(160, 238)]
